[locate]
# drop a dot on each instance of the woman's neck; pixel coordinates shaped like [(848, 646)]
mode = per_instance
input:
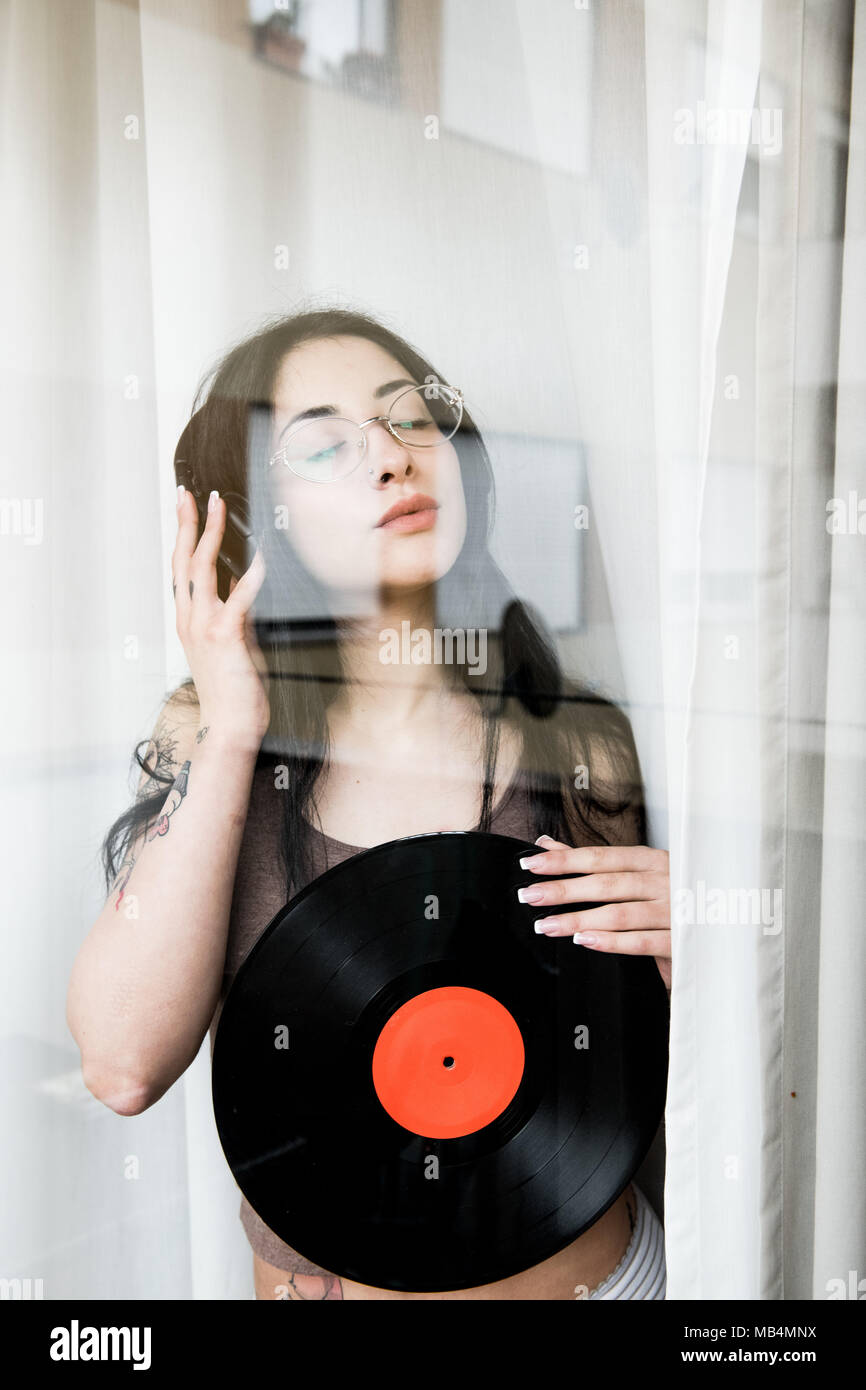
[(385, 681)]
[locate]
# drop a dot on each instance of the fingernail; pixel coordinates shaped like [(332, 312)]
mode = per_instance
[(542, 838), (180, 491), (212, 499), (532, 861), (541, 928), (530, 895), (583, 938)]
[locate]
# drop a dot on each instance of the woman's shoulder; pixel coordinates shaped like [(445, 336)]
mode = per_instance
[(183, 700), (595, 724), (173, 734), (606, 773), (180, 713)]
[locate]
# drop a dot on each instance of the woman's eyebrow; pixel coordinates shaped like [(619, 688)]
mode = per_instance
[(315, 412)]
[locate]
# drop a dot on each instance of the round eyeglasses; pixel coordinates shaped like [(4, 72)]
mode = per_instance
[(330, 448)]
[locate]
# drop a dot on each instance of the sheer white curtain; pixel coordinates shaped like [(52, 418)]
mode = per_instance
[(764, 685), (717, 456), (712, 700), (604, 266)]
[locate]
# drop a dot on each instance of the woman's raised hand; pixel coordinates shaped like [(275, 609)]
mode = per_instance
[(225, 661)]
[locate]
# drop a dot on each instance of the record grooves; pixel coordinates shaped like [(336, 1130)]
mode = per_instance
[(417, 1092)]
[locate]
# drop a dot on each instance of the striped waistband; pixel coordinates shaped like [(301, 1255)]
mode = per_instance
[(641, 1273)]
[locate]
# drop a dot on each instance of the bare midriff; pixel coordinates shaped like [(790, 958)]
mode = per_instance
[(571, 1274)]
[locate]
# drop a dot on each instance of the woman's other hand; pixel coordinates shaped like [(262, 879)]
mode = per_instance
[(632, 882)]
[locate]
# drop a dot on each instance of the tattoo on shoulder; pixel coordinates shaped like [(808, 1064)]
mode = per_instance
[(202, 734), (310, 1288)]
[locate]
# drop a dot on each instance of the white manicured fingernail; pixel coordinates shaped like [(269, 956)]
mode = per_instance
[(211, 501), (180, 492), (530, 895)]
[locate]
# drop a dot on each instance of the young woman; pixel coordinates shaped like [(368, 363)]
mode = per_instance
[(297, 742)]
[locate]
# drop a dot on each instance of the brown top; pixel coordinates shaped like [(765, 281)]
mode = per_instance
[(259, 894)]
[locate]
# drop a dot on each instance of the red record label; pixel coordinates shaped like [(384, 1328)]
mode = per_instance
[(448, 1062)]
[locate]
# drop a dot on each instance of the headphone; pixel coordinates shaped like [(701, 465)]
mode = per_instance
[(238, 542)]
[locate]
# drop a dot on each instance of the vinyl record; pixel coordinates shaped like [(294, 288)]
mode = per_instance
[(414, 1089)]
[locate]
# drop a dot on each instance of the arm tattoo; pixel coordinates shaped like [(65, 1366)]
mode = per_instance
[(123, 877), (157, 827), (202, 734), (165, 746), (166, 762), (173, 800), (311, 1288)]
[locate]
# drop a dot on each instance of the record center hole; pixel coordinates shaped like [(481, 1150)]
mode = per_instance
[(448, 1061)]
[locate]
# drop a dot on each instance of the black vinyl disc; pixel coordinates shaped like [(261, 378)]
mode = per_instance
[(414, 1089)]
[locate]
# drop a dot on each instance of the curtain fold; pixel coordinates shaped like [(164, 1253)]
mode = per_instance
[(713, 1119), (93, 1205), (840, 1191)]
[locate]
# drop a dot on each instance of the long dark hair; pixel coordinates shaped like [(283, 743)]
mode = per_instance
[(563, 725)]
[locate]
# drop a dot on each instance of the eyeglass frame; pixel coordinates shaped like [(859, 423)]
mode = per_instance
[(374, 419)]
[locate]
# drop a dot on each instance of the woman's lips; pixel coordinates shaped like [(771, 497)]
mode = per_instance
[(412, 521), (403, 506)]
